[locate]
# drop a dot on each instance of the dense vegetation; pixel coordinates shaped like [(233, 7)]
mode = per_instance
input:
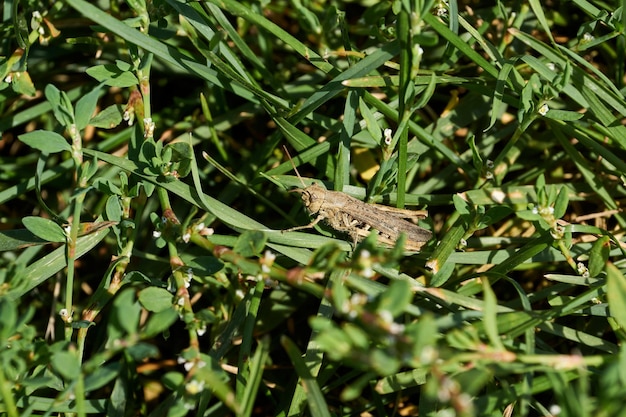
[(144, 188)]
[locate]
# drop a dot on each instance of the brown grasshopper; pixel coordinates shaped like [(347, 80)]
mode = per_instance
[(348, 215)]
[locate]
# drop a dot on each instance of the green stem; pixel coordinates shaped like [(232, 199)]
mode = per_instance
[(177, 266), (71, 258), (77, 156), (79, 392), (7, 396), (404, 34)]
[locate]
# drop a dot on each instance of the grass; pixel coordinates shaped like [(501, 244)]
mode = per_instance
[(144, 190)]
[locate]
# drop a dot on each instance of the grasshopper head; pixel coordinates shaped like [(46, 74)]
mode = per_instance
[(313, 198)]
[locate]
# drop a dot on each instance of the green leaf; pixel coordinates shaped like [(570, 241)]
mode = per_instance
[(159, 323), (45, 267), (125, 318), (490, 315), (438, 260), (330, 338), (529, 215), (401, 381), (250, 243), (82, 324), (61, 105), (45, 141), (384, 363), (396, 298), (461, 206), (18, 239), (599, 255), (155, 299), (205, 265), (109, 117), (22, 84), (316, 401), (563, 115), (66, 364), (8, 312), (476, 158), (181, 158), (427, 93), (616, 293), (561, 203), (370, 121), (113, 76), (101, 376), (45, 229), (256, 365), (85, 108)]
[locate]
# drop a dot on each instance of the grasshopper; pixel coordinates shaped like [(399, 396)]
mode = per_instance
[(355, 218)]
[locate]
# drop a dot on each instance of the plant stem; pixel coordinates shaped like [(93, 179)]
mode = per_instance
[(404, 112)]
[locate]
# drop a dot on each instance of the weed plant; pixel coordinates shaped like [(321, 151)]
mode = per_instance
[(144, 189)]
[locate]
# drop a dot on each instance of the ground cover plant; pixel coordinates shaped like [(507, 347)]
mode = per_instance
[(146, 181)]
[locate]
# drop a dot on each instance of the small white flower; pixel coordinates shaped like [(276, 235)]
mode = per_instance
[(555, 410), (269, 256), (186, 237), (396, 328), (551, 66), (194, 387), (188, 277), (267, 261), (66, 316), (149, 127), (358, 299), (428, 355), (582, 270), (418, 50), (386, 316), (388, 136), (543, 110), (588, 37), (156, 234), (498, 196)]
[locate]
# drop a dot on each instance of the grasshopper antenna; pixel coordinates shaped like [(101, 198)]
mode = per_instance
[(294, 167)]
